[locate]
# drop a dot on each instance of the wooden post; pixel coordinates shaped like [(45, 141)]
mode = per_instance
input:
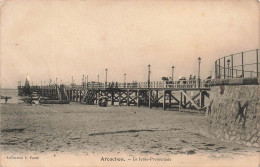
[(257, 70), (202, 100), (77, 93), (180, 103), (164, 105), (219, 72), (184, 99), (119, 97), (170, 98), (200, 105), (224, 67), (127, 97), (137, 96), (80, 95), (112, 97), (150, 98), (232, 67), (157, 99), (243, 65)]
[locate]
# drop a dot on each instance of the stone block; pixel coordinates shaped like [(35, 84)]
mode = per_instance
[(248, 144), (233, 132), (254, 139), (238, 138), (226, 136), (239, 142), (243, 137), (255, 145), (258, 140), (232, 138)]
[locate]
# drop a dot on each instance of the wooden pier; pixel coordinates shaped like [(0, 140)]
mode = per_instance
[(184, 94)]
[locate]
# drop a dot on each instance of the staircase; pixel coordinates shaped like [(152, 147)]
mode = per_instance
[(62, 94)]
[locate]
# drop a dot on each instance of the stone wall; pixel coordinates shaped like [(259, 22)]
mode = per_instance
[(234, 114)]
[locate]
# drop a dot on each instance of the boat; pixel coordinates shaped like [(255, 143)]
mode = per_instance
[(4, 97), (44, 101)]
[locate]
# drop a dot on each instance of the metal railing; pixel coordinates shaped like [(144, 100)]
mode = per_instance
[(239, 65)]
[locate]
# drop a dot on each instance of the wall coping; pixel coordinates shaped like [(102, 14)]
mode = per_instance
[(235, 81)]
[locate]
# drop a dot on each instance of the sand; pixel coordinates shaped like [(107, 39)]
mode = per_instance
[(89, 129)]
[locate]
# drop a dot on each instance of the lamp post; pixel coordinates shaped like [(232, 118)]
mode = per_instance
[(228, 64), (83, 81), (149, 73), (87, 80), (199, 61), (124, 80), (172, 73), (106, 79)]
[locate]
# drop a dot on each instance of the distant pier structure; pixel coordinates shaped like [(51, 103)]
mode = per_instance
[(191, 93)]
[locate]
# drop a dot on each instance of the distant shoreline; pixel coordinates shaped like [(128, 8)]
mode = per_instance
[(8, 89)]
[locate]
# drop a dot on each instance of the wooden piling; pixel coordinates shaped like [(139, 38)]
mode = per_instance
[(137, 96), (150, 99), (127, 97), (157, 98), (164, 105), (170, 98)]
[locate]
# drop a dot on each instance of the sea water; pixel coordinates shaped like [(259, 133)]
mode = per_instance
[(10, 93)]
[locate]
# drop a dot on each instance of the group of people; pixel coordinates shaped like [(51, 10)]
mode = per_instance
[(113, 85)]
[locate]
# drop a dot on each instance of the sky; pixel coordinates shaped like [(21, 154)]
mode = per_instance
[(45, 39)]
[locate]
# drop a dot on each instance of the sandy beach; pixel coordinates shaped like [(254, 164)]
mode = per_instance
[(89, 129)]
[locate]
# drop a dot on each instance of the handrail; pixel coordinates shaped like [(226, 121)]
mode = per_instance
[(193, 83)]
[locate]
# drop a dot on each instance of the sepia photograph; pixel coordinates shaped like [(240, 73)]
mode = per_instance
[(112, 83)]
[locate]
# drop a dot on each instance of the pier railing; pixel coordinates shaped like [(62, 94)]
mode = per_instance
[(181, 84), (239, 65)]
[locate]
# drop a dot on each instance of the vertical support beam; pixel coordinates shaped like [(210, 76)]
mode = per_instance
[(243, 65), (150, 99), (184, 99), (127, 97), (112, 97), (232, 67), (119, 97), (219, 72), (257, 70), (96, 94), (170, 98), (157, 99), (224, 67), (164, 105), (180, 103), (201, 99), (216, 67), (137, 98), (80, 96)]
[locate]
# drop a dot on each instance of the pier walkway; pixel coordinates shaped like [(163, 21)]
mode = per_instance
[(190, 94)]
